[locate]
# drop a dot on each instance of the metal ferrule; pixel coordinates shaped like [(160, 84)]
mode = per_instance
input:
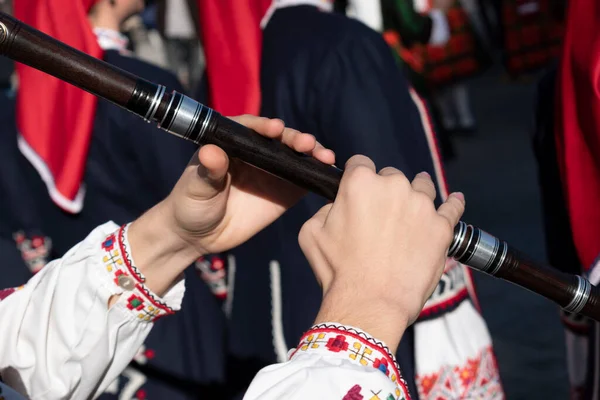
[(581, 296), (3, 32), (484, 252), (187, 118), (160, 91), (459, 236)]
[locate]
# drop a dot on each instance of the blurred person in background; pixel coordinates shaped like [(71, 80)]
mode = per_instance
[(177, 20), (531, 34), (447, 65), (403, 27), (338, 80), (146, 41), (93, 162)]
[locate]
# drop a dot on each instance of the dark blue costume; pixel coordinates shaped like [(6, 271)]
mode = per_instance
[(131, 166), (335, 78), (17, 205)]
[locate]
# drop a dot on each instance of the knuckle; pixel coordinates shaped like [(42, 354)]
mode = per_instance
[(422, 200), (360, 173)]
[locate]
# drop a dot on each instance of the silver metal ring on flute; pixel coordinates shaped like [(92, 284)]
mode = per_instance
[(205, 122), (466, 248), (458, 238), (162, 122), (3, 32), (160, 91), (581, 296), (186, 117)]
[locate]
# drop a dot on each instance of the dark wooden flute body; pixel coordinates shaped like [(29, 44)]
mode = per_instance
[(190, 120)]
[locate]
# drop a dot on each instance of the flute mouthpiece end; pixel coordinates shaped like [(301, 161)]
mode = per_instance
[(3, 32)]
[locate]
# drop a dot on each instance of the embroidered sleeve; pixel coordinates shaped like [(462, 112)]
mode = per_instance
[(60, 339), (335, 362)]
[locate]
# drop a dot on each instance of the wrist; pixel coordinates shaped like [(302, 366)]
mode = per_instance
[(381, 319), (159, 252)]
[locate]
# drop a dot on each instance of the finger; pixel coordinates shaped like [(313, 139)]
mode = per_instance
[(359, 161), (307, 144), (453, 208), (213, 164), (387, 171), (272, 128), (423, 183), (275, 129), (322, 154)]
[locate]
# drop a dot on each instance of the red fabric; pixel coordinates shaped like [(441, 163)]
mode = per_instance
[(232, 40), (578, 125), (55, 118)]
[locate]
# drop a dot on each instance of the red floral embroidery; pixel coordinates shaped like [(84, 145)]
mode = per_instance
[(468, 373), (149, 354), (337, 344), (427, 383), (217, 264), (382, 365), (140, 394), (477, 378), (109, 243), (135, 302), (354, 394)]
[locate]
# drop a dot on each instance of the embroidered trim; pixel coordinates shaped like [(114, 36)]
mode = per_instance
[(144, 304), (35, 250), (124, 246), (575, 323), (109, 39), (4, 293), (360, 347), (477, 378), (450, 292), (213, 271)]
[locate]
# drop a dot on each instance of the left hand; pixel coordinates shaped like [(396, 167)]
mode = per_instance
[(220, 203)]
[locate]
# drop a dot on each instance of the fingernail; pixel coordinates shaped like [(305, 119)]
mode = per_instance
[(459, 195), (424, 174)]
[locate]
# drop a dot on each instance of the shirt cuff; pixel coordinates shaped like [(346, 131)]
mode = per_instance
[(121, 276), (349, 343), (440, 30)]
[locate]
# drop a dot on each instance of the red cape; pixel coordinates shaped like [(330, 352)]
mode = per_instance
[(55, 119), (578, 126), (232, 39)]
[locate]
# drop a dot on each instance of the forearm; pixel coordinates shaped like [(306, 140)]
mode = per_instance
[(161, 255), (374, 314)]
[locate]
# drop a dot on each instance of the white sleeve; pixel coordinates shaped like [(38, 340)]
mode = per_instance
[(440, 29), (59, 338), (333, 362), (368, 12)]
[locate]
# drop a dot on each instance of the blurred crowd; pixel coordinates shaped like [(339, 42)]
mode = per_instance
[(385, 78)]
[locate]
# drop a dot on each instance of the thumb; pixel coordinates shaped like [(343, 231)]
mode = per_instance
[(212, 164)]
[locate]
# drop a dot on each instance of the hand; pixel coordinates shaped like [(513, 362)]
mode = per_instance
[(379, 250), (217, 204), (443, 5)]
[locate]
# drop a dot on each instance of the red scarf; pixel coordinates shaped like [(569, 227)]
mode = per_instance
[(55, 119), (578, 125), (232, 40)]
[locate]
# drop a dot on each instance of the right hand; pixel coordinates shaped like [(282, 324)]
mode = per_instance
[(379, 250), (443, 5)]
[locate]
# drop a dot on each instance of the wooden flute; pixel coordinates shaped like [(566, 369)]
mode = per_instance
[(190, 120)]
